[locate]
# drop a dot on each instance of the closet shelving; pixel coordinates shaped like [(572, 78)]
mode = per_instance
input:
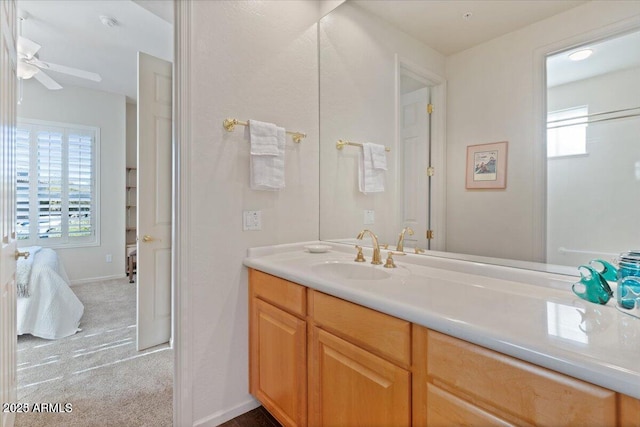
[(131, 220), (131, 204)]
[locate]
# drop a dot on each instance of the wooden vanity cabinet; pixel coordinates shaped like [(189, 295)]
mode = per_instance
[(277, 347), (359, 365), (318, 360)]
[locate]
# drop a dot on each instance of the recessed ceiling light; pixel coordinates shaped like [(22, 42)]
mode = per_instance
[(579, 55)]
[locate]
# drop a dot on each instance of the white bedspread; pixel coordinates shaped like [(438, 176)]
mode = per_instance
[(52, 311)]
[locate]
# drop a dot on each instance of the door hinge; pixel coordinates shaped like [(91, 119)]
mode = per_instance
[(429, 108), (429, 234), (431, 171)]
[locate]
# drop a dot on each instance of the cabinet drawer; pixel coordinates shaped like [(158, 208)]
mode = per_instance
[(279, 292), (445, 409), (380, 333), (515, 389)]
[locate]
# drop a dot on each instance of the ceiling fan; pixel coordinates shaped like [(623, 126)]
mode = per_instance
[(29, 65)]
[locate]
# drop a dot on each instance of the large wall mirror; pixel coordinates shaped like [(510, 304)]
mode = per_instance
[(378, 75)]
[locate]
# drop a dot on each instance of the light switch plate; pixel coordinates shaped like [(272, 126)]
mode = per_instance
[(251, 220), (369, 217)]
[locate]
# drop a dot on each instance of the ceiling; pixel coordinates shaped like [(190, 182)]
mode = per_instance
[(71, 34), (441, 24)]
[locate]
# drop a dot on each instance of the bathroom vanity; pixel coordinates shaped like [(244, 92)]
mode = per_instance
[(433, 342)]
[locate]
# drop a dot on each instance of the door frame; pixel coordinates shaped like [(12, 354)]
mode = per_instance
[(438, 87), (181, 325)]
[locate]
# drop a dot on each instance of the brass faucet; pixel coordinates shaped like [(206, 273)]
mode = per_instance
[(376, 247), (400, 245), (390, 263)]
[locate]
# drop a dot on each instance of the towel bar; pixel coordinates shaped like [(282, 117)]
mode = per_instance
[(342, 143), (230, 124)]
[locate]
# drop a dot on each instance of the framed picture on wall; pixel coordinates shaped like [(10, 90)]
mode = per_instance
[(487, 166)]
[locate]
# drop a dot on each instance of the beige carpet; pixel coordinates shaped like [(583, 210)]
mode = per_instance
[(98, 370)]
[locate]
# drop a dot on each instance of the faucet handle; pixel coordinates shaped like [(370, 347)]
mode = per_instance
[(359, 255), (390, 263), (418, 250), (384, 246)]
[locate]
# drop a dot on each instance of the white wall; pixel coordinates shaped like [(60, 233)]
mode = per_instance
[(594, 200), (251, 60), (106, 111), (490, 98), (358, 103)]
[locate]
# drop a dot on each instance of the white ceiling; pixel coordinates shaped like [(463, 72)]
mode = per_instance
[(71, 34), (440, 23)]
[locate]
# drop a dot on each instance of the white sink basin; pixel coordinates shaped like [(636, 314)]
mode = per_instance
[(349, 270)]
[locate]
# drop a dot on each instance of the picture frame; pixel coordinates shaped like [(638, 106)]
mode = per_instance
[(487, 166)]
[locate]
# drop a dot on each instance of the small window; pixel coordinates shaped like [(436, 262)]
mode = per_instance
[(567, 132)]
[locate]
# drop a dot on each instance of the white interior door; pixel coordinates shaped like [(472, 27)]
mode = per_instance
[(8, 106), (153, 274), (415, 147)]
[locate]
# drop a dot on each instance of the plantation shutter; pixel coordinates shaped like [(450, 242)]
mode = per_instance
[(49, 184), (80, 189), (56, 184), (23, 172)]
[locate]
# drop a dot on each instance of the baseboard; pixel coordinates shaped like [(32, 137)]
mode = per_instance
[(225, 415), (97, 279)]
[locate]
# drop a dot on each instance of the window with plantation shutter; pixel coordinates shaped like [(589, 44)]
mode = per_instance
[(57, 184)]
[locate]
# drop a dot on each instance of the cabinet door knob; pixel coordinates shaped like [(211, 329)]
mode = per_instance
[(147, 238)]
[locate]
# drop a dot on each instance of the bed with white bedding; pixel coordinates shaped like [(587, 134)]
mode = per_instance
[(47, 307)]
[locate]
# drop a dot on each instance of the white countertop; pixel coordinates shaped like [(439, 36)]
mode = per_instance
[(531, 315)]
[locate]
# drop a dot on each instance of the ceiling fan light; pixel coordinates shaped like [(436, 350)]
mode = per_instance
[(26, 71)]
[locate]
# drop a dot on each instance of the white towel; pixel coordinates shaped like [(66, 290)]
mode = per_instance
[(267, 171), (370, 177), (378, 156), (264, 138)]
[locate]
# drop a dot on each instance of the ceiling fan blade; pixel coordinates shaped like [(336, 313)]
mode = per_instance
[(67, 70), (27, 48), (47, 81)]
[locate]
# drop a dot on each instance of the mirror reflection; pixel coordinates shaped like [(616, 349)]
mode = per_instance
[(593, 168), (377, 82)]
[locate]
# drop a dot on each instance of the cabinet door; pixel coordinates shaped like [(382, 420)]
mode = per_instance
[(349, 386), (629, 411), (278, 366)]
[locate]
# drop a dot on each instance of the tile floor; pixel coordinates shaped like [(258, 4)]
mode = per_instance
[(258, 417)]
